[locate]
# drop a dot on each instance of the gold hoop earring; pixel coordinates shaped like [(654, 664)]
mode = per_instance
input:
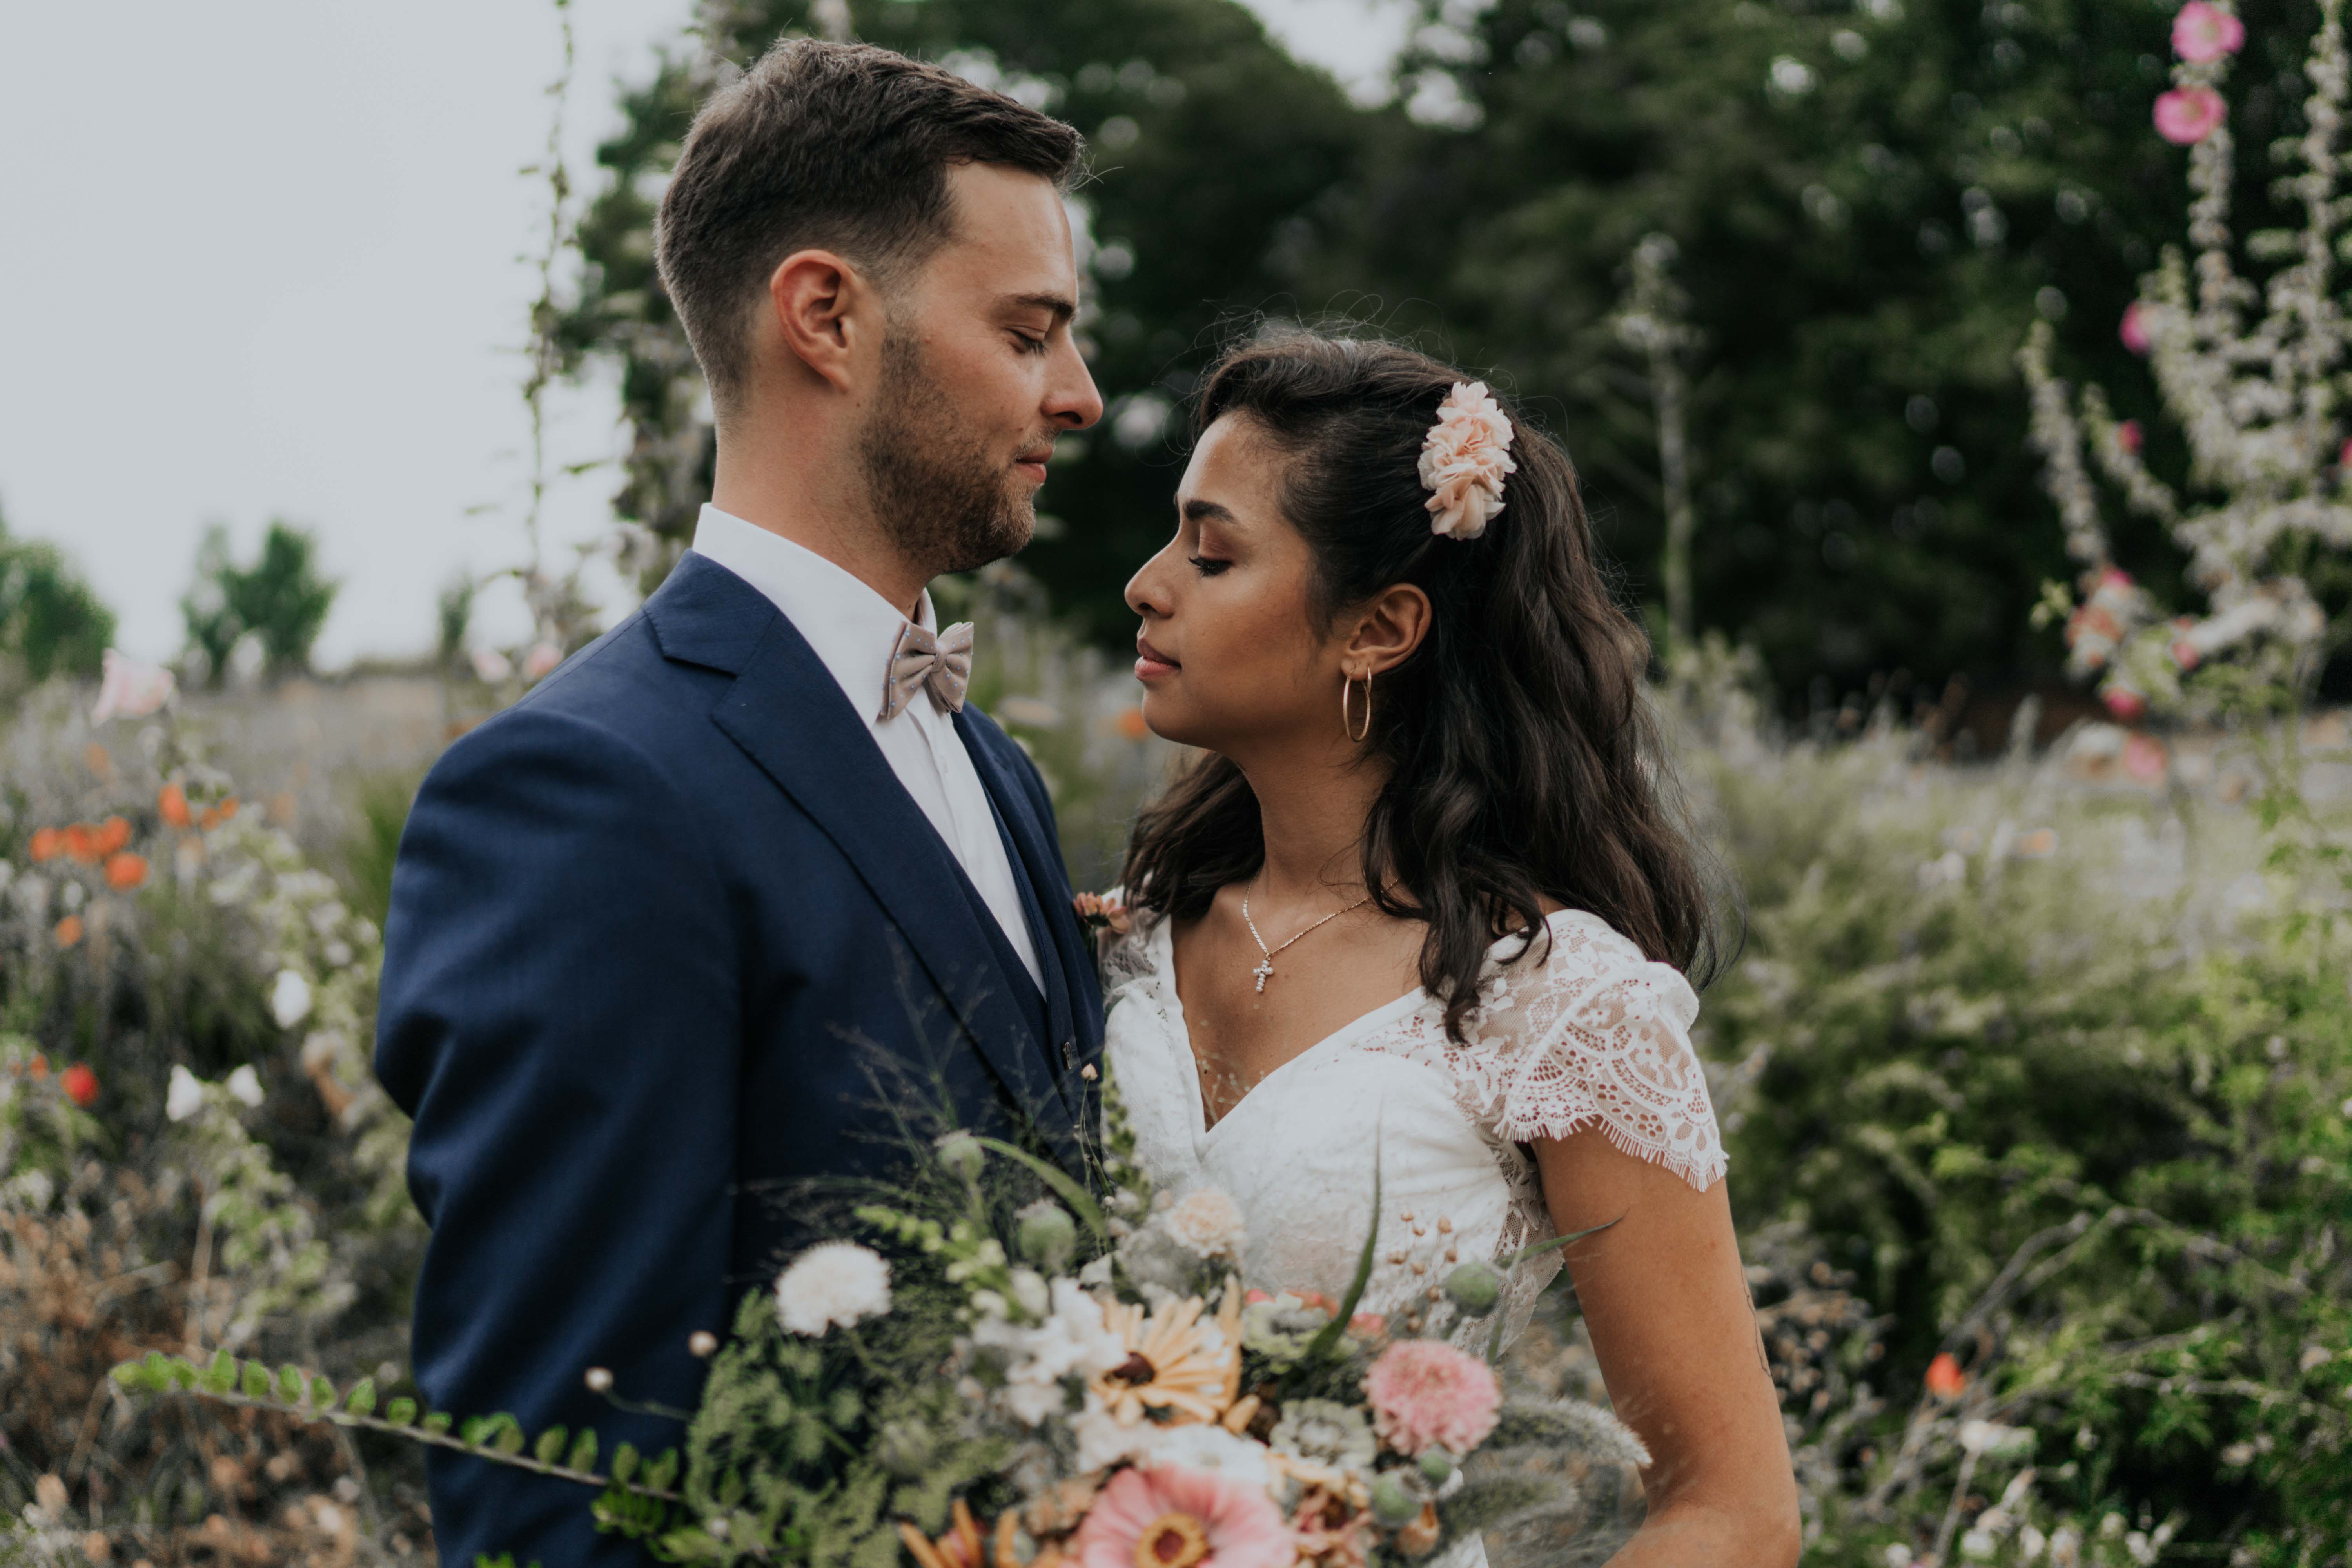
[(1346, 718)]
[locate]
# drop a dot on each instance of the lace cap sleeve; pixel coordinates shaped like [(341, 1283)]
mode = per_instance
[(1591, 1033)]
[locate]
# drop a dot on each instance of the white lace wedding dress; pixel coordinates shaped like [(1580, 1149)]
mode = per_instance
[(1587, 1034)]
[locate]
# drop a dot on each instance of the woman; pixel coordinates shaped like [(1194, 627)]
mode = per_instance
[(1418, 908)]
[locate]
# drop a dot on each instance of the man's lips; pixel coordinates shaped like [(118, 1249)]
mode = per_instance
[(1033, 463), (1149, 662)]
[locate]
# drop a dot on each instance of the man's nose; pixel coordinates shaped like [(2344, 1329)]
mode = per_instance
[(1073, 403)]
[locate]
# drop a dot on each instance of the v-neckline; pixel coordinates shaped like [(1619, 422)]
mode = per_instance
[(1202, 1128)]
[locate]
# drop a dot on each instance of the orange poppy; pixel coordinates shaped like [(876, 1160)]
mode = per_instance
[(69, 932), (79, 1083), (113, 835), (1945, 1378), (40, 1066), (210, 819), (81, 841), (1130, 723), (126, 871), (47, 845), (228, 807), (173, 805)]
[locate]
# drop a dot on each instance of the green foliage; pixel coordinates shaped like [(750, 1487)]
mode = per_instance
[(2078, 1123), (51, 622), (280, 601)]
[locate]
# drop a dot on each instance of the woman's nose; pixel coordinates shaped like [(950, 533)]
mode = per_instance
[(1146, 591)]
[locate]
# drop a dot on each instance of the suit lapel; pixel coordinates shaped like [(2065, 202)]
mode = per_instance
[(1036, 861), (790, 717)]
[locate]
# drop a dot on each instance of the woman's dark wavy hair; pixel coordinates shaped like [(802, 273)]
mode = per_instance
[(1524, 760)]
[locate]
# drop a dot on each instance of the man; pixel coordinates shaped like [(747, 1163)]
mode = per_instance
[(654, 927)]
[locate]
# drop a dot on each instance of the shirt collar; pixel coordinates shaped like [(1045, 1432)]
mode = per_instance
[(852, 629)]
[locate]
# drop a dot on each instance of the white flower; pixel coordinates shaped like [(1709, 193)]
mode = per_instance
[(832, 1283), (1073, 1343), (290, 999), (1978, 1545), (246, 1085), (1212, 1449), (1207, 1222), (1105, 1441), (130, 690), (1463, 460), (184, 1097), (2030, 1543), (491, 667)]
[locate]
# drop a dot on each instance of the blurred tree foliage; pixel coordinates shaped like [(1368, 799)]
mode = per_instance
[(1871, 202), (280, 601), (50, 620)]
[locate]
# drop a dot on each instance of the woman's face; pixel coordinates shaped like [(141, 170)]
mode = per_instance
[(1228, 654)]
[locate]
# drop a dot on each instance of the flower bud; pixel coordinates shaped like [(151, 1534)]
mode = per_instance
[(1436, 1467), (702, 1343), (1393, 1503), (905, 1449), (962, 1156), (1474, 1288), (1029, 1293), (600, 1380), (1046, 1233)]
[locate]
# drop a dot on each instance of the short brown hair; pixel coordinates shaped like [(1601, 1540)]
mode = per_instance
[(844, 146)]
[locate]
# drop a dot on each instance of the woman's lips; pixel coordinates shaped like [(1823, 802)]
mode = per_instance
[(1151, 663)]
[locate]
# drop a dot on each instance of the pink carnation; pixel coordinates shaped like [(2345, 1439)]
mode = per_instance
[(1177, 1516), (1427, 1394), (2123, 701), (2128, 437), (2187, 115), (2203, 33)]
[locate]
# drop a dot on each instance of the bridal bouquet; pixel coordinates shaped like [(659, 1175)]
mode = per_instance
[(1060, 1382)]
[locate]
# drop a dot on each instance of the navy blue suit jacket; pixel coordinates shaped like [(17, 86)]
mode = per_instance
[(652, 931)]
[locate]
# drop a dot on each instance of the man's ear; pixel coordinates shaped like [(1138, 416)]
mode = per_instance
[(1388, 630), (823, 308)]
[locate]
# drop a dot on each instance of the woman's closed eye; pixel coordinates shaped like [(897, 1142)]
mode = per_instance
[(1207, 565)]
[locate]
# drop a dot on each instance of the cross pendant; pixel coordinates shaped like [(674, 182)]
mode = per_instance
[(1264, 972)]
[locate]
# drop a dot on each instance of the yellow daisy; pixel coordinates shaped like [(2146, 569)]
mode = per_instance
[(1176, 1364)]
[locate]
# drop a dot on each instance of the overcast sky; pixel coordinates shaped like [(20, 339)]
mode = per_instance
[(263, 259)]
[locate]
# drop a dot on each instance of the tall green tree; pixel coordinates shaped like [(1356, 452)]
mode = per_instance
[(51, 622), (280, 601), (1872, 202)]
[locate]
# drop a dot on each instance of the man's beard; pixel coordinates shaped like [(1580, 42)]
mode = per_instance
[(943, 496)]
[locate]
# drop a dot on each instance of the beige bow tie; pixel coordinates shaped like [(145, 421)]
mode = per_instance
[(943, 663)]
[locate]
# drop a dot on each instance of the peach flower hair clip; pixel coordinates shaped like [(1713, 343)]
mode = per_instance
[(1463, 461)]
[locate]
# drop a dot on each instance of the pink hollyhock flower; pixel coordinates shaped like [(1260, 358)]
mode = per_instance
[(2143, 758), (130, 690), (2187, 115), (2133, 330), (2124, 702), (2344, 456), (1426, 1394), (2202, 33), (2128, 437), (1182, 1519)]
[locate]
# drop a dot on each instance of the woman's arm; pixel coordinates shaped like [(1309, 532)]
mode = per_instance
[(1674, 1331)]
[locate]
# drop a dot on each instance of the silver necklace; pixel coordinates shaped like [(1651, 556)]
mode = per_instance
[(1265, 971)]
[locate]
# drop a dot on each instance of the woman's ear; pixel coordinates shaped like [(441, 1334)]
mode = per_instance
[(1387, 631)]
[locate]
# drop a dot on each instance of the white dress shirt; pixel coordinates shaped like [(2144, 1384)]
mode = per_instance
[(854, 630)]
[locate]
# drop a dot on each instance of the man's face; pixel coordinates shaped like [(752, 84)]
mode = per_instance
[(979, 374)]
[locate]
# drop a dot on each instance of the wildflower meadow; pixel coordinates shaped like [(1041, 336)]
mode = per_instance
[(2019, 741)]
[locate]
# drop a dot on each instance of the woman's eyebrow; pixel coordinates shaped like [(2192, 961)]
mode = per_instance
[(1198, 510)]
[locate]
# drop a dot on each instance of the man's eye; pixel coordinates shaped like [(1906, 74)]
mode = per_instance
[(1029, 345), (1207, 567)]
